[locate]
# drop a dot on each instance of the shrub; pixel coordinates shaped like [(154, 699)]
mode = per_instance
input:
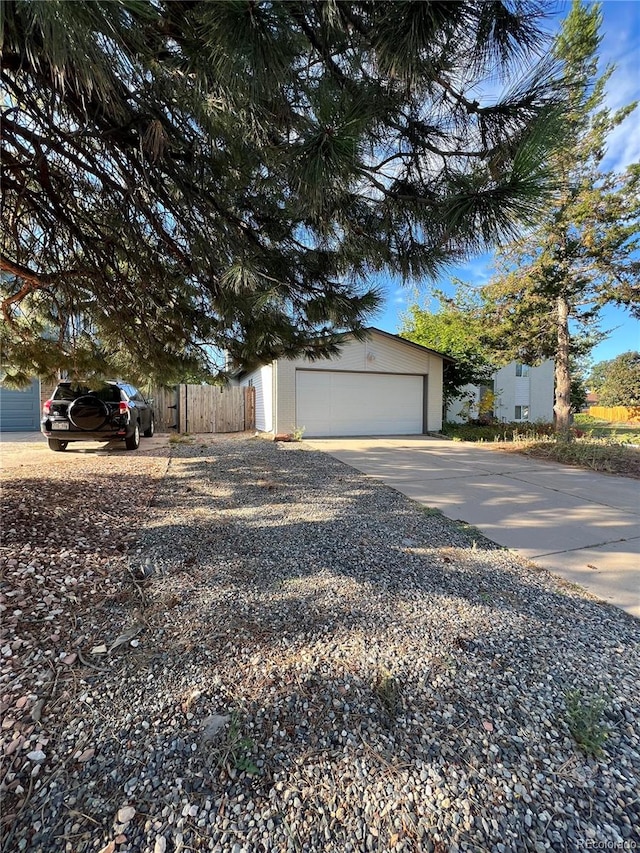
[(514, 431), (584, 720)]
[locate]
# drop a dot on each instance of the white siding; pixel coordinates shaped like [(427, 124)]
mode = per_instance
[(534, 391), (465, 407), (377, 354), (262, 380), (504, 384), (542, 391), (522, 391), (434, 394)]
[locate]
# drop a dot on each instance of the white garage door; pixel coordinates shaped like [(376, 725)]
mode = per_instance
[(339, 403)]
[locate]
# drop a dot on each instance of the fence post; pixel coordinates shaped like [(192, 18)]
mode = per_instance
[(249, 408)]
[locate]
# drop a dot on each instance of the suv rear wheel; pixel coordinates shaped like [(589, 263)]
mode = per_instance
[(56, 444), (132, 442)]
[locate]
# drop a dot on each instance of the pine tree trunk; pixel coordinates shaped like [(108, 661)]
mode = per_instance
[(562, 407)]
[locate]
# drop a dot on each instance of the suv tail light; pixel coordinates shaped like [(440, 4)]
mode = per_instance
[(123, 408), (46, 408)]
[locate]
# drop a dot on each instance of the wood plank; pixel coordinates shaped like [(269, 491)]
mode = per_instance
[(204, 408)]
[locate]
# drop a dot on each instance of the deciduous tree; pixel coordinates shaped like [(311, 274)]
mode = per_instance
[(455, 331), (617, 382)]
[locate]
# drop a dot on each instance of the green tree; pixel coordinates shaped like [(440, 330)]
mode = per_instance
[(583, 253), (617, 382), (183, 178), (579, 385), (457, 332)]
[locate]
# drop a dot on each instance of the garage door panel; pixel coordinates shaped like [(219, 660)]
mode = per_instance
[(20, 410), (341, 403)]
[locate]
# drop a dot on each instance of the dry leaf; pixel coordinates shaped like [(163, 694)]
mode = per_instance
[(110, 848), (189, 699), (213, 724), (126, 636)]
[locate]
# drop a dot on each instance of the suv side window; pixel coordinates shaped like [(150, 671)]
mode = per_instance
[(137, 396)]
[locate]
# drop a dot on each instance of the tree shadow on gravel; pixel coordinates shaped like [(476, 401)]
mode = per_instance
[(367, 653), (364, 530), (65, 511)]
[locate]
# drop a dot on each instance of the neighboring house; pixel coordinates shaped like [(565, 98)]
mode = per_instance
[(384, 385), (20, 410), (522, 393), (592, 399)]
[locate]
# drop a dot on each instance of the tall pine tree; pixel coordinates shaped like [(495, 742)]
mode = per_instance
[(551, 283), (183, 176)]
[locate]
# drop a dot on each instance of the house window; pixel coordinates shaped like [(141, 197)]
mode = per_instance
[(522, 369), (522, 413)]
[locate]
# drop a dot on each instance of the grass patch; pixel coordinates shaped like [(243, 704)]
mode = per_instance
[(584, 719), (388, 692), (430, 510), (620, 432), (234, 750), (177, 438)]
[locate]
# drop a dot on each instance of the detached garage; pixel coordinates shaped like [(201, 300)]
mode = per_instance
[(384, 385)]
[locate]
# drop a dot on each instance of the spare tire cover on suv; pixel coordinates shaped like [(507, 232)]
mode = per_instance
[(88, 413)]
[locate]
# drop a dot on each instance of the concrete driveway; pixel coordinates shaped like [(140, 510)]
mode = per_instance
[(580, 525)]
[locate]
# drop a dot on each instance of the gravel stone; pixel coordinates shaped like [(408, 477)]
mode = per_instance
[(322, 665)]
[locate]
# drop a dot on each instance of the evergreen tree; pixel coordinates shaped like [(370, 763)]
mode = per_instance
[(583, 253), (182, 178)]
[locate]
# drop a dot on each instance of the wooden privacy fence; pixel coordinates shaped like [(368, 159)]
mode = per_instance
[(615, 414), (204, 408)]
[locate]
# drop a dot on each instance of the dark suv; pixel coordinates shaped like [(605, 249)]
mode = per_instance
[(104, 411)]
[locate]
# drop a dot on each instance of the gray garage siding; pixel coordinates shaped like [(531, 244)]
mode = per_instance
[(20, 410)]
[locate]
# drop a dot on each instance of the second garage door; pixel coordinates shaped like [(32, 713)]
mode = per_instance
[(20, 410), (341, 403)]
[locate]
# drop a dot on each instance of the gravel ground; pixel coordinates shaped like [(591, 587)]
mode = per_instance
[(297, 659)]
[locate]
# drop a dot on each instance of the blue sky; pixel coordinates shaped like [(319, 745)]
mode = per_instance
[(621, 47)]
